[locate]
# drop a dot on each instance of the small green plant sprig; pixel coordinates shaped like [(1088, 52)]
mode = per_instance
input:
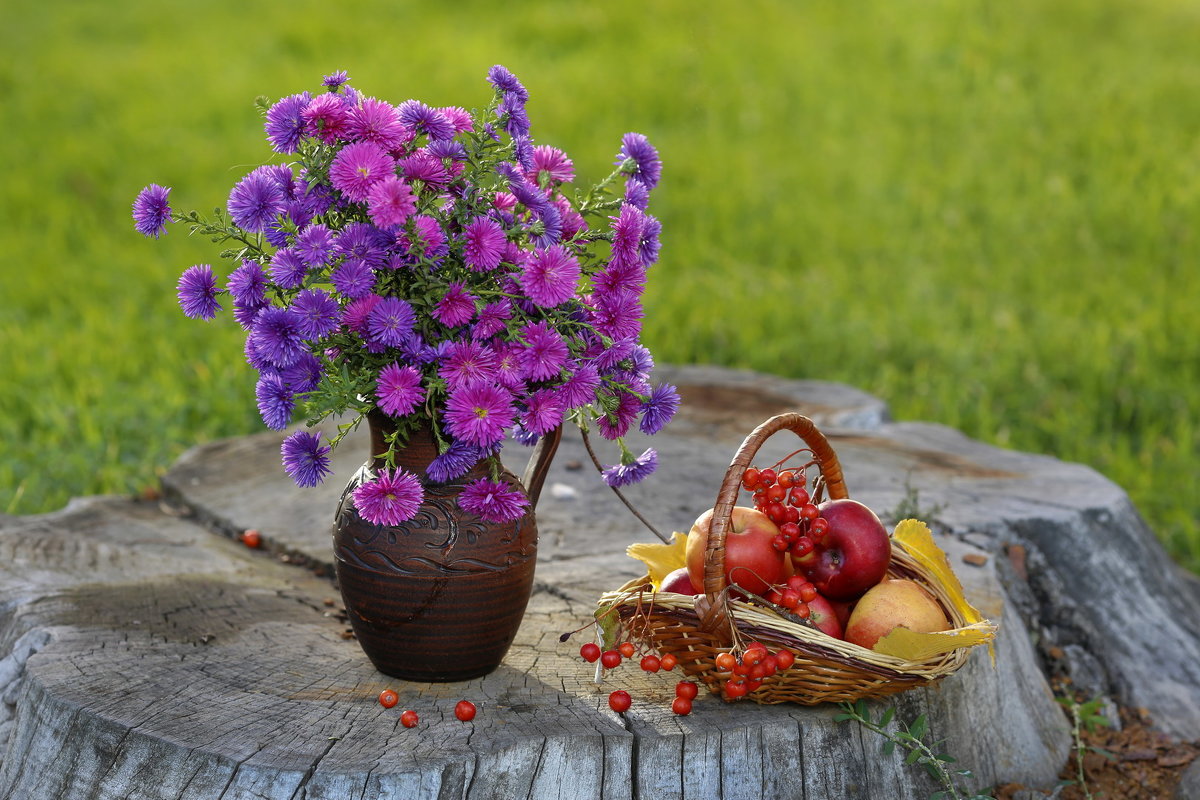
[(1084, 717), (912, 738)]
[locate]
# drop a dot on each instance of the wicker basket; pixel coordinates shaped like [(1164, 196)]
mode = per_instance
[(696, 629)]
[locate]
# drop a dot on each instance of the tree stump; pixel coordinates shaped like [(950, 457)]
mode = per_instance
[(146, 657)]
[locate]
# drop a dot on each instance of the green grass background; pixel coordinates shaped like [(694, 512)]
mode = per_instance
[(985, 213)]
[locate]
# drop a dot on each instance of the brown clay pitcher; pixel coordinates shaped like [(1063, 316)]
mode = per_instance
[(440, 597)]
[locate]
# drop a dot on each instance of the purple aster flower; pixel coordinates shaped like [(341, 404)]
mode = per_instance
[(391, 498), (245, 315), (658, 409), (399, 389), (617, 421), (642, 360), (255, 202), (550, 277), (467, 362), (391, 201), (607, 359), (649, 246), (390, 321), (357, 167), (459, 457), (516, 120), (543, 411), (460, 118), (493, 501), (492, 319), (377, 121), (197, 292), (456, 307), (522, 436), (551, 220), (363, 241), (479, 413), (635, 471), (314, 245), (627, 234), (288, 269), (151, 212), (275, 401), (637, 194), (447, 148), (619, 276), (545, 351), (303, 375), (317, 314), (285, 122), (646, 165), (353, 279), (580, 389), (483, 244), (305, 459), (523, 151), (550, 166), (276, 337), (327, 118), (617, 315), (335, 80), (425, 167), (248, 285), (505, 81), (423, 119)]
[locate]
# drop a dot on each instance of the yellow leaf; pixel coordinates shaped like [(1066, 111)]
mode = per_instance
[(906, 644), (660, 559), (914, 536)]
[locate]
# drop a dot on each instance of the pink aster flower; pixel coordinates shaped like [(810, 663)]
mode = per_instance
[(545, 351), (479, 413), (357, 167), (377, 121), (543, 412), (460, 118), (627, 233), (456, 307), (399, 389), (617, 315), (326, 117), (510, 365), (551, 276), (391, 498), (493, 501), (426, 237), (390, 201), (550, 165), (484, 243), (467, 362)]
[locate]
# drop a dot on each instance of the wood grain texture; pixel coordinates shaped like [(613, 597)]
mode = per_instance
[(142, 656)]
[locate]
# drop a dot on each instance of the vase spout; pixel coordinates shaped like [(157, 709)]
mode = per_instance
[(539, 464)]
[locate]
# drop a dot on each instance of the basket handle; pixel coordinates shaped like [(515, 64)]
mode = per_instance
[(716, 616)]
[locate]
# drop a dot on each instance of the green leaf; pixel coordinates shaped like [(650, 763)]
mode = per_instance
[(888, 714), (912, 757), (889, 747), (919, 727)]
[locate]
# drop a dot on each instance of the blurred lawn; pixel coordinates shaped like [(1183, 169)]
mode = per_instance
[(984, 213)]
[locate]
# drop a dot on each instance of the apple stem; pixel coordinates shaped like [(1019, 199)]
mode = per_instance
[(600, 467)]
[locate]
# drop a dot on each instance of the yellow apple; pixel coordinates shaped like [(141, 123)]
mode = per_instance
[(895, 603)]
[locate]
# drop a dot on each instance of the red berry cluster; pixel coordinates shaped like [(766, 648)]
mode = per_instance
[(620, 700), (464, 710), (785, 500), (794, 595), (611, 659), (747, 671)]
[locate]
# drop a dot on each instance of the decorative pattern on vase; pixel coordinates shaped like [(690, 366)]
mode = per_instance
[(442, 525)]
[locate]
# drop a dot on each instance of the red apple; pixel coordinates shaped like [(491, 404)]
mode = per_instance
[(892, 604), (751, 560), (852, 556), (824, 616), (842, 608), (678, 581)]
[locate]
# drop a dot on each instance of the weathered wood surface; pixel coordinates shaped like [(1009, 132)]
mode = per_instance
[(145, 657)]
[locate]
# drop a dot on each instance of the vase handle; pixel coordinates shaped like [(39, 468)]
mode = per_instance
[(539, 464)]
